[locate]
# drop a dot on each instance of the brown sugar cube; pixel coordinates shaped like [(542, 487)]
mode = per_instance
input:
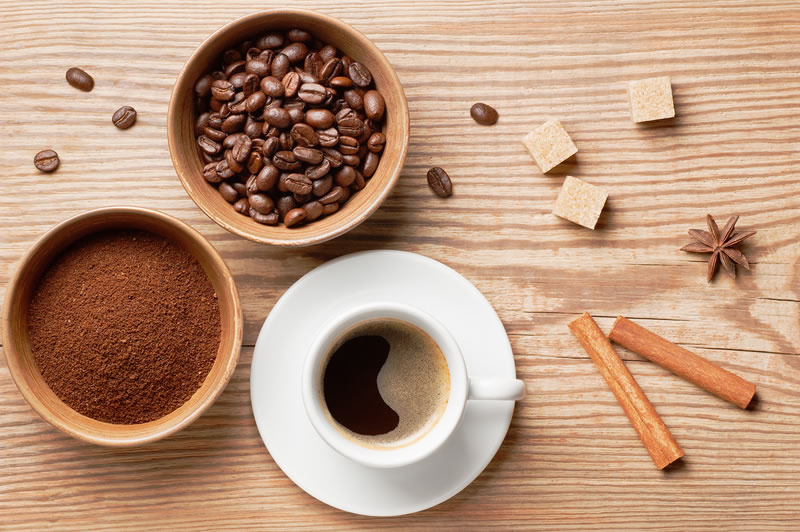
[(651, 99), (579, 202), (549, 145)]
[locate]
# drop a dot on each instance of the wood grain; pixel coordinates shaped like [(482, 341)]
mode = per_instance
[(571, 459)]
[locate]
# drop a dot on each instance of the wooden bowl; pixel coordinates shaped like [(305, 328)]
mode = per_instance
[(189, 166), (16, 342)]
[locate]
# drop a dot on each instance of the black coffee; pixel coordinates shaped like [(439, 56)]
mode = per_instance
[(386, 383)]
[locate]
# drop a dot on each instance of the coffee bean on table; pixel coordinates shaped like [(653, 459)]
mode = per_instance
[(439, 182), (483, 114), (46, 161), (80, 79), (124, 117)]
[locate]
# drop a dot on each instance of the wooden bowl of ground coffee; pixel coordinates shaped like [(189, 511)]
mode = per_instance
[(121, 326)]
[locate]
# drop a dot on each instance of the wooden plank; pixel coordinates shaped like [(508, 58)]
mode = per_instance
[(571, 460)]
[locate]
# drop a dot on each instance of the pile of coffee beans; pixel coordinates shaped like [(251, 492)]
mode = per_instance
[(288, 127)]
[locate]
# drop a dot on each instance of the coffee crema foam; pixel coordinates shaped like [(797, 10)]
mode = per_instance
[(414, 381)]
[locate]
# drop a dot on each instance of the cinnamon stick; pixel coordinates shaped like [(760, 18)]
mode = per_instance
[(655, 436), (682, 362)]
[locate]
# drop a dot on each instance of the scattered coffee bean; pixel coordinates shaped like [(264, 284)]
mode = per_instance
[(80, 79), (124, 117), (483, 114), (46, 161), (288, 128), (439, 181)]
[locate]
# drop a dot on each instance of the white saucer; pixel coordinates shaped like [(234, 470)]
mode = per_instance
[(278, 361)]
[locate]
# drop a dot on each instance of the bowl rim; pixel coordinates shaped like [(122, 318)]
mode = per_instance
[(338, 230), (12, 356)]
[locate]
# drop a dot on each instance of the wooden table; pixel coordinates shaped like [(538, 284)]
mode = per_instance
[(571, 459)]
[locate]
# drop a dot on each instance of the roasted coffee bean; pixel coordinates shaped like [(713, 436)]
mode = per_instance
[(291, 82), (255, 161), (333, 196), (370, 164), (240, 188), (313, 210), (483, 114), (233, 164), (341, 82), (272, 86), (251, 186), (308, 155), (320, 187), (295, 52), (242, 206), (312, 93), (333, 156), (224, 111), (328, 52), (296, 114), (267, 178), (270, 40), (318, 171), (253, 128), (319, 118), (285, 160), (374, 105), (208, 158), (287, 142), (280, 66), (298, 184), (201, 123), (331, 69), (261, 202), (348, 145), (215, 104), (214, 134), (302, 198), (360, 74), (359, 182), (250, 84), (233, 123), (208, 145), (273, 102), (294, 217), (238, 105), (354, 98), (231, 139), (231, 56), (329, 209), (351, 127), (376, 142), (46, 161), (345, 176), (286, 204), (267, 56), (80, 79), (241, 150), (202, 86), (312, 64), (346, 62), (270, 148), (255, 102), (298, 35), (235, 68), (304, 135), (228, 193), (210, 173), (266, 219), (439, 182), (223, 170), (328, 137), (252, 53), (257, 67), (278, 117), (222, 90), (237, 80), (214, 120), (351, 160)]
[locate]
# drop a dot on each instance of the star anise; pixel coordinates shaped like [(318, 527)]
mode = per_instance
[(720, 245)]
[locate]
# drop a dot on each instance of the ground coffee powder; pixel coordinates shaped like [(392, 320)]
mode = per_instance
[(124, 326)]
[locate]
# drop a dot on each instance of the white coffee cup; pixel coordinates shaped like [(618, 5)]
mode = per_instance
[(462, 387)]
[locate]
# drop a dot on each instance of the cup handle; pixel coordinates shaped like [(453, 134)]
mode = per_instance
[(496, 389)]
